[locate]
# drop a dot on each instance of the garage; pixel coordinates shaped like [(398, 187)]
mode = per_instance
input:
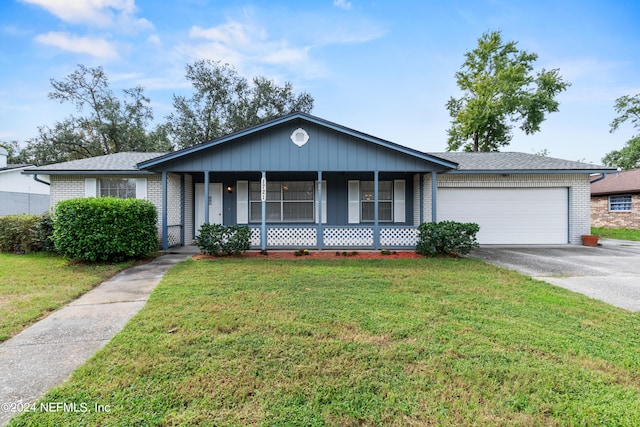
[(509, 215)]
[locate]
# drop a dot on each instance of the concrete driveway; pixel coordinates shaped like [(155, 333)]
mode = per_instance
[(610, 272)]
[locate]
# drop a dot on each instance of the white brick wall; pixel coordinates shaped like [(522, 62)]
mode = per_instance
[(578, 184), (416, 200), (426, 213), (188, 210), (64, 187)]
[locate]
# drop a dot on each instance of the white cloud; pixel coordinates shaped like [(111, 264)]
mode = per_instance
[(155, 40), (248, 44), (92, 46), (248, 47), (103, 13), (231, 33), (342, 4)]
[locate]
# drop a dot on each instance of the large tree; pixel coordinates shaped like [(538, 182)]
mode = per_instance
[(107, 124), (224, 102), (499, 89), (628, 109)]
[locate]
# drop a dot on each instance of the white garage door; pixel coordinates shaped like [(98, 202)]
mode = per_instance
[(509, 215)]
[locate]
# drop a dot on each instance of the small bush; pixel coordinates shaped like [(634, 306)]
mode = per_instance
[(447, 238), (105, 229), (26, 233), (43, 233), (218, 240)]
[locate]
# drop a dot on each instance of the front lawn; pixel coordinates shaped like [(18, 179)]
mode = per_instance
[(358, 342), (616, 233), (33, 285)]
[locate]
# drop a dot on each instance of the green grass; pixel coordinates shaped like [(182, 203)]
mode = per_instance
[(617, 233), (33, 285), (359, 342)]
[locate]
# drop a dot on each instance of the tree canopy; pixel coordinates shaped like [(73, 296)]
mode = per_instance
[(109, 124), (225, 102), (628, 109), (499, 89)]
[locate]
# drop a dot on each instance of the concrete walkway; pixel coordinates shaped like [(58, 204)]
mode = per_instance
[(45, 354)]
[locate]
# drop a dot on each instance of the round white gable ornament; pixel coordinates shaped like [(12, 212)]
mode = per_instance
[(299, 137)]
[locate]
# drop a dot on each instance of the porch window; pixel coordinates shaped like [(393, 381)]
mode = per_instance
[(123, 188), (385, 201), (620, 203), (287, 201)]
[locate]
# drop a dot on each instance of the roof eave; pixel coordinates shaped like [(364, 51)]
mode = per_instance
[(88, 172), (530, 171), (610, 193)]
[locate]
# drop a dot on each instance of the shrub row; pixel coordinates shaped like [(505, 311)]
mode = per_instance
[(447, 238), (217, 240), (105, 228), (26, 233)]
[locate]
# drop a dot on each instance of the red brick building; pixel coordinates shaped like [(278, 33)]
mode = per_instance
[(615, 200)]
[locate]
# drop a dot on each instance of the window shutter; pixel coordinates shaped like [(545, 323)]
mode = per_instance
[(90, 187), (242, 202), (141, 188), (324, 201), (354, 202), (399, 195)]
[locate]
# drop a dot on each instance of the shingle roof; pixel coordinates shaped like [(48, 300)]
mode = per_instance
[(506, 162), (118, 162), (614, 183), (509, 162)]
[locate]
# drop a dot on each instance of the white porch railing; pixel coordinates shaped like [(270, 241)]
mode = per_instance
[(335, 237), (398, 236)]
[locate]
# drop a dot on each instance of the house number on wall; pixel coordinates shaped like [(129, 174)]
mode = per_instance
[(299, 137), (263, 190)]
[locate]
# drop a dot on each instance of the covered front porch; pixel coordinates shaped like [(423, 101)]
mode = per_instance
[(292, 210), (300, 182)]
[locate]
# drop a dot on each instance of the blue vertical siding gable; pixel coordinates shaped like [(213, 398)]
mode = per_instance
[(330, 148)]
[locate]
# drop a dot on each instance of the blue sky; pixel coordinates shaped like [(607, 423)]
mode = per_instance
[(385, 68)]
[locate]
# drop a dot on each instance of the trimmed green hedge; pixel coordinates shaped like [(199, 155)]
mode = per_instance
[(447, 238), (216, 239), (26, 233), (105, 228)]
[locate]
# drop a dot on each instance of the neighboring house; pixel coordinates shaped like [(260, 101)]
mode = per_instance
[(615, 200), (20, 193), (303, 182)]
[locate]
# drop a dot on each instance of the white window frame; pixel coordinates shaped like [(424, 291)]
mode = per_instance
[(389, 201), (115, 191), (282, 201), (623, 204)]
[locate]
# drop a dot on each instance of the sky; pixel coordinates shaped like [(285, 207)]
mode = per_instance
[(385, 68)]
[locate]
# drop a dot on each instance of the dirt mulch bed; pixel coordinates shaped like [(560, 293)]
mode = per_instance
[(328, 254)]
